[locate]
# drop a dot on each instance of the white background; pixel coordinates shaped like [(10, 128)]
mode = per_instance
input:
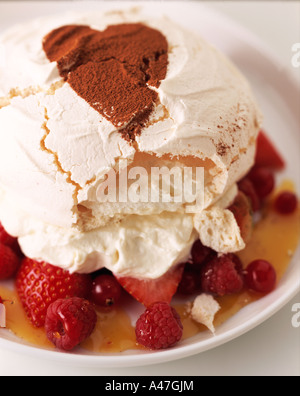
[(273, 348)]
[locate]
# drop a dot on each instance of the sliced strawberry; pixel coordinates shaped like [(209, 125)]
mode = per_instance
[(150, 291), (266, 154), (241, 208)]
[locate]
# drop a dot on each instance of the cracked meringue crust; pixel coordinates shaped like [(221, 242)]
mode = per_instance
[(55, 150)]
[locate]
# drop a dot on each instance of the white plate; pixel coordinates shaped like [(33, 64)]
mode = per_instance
[(278, 95)]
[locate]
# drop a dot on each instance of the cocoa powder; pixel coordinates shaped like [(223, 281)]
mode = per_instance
[(112, 70)]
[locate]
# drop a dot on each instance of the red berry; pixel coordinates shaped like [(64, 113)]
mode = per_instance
[(247, 187), (222, 275), (286, 203), (201, 253), (241, 208), (237, 262), (69, 322), (39, 284), (189, 281), (149, 291), (10, 241), (263, 181), (9, 262), (5, 238), (266, 154), (260, 276), (106, 291), (1, 301), (159, 327)]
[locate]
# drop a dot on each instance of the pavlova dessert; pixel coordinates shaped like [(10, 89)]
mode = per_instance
[(125, 150)]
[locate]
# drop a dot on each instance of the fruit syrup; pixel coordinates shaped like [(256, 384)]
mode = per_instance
[(275, 238)]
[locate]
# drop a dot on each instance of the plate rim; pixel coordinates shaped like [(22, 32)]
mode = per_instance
[(149, 358), (152, 357)]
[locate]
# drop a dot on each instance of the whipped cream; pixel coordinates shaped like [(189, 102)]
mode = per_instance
[(55, 150)]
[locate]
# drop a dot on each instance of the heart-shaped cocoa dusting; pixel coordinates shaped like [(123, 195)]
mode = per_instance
[(113, 70)]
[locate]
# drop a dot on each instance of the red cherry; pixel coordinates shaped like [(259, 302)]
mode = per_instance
[(260, 276), (286, 203), (263, 181), (106, 291)]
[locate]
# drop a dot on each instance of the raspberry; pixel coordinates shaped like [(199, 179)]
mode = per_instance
[(9, 262), (189, 283), (201, 253), (222, 275), (159, 327), (237, 262), (69, 322), (260, 276), (39, 284), (286, 203)]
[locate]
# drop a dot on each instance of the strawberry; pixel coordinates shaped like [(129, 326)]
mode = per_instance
[(9, 262), (266, 154), (40, 284), (10, 241), (5, 238), (263, 181), (241, 208), (149, 291)]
